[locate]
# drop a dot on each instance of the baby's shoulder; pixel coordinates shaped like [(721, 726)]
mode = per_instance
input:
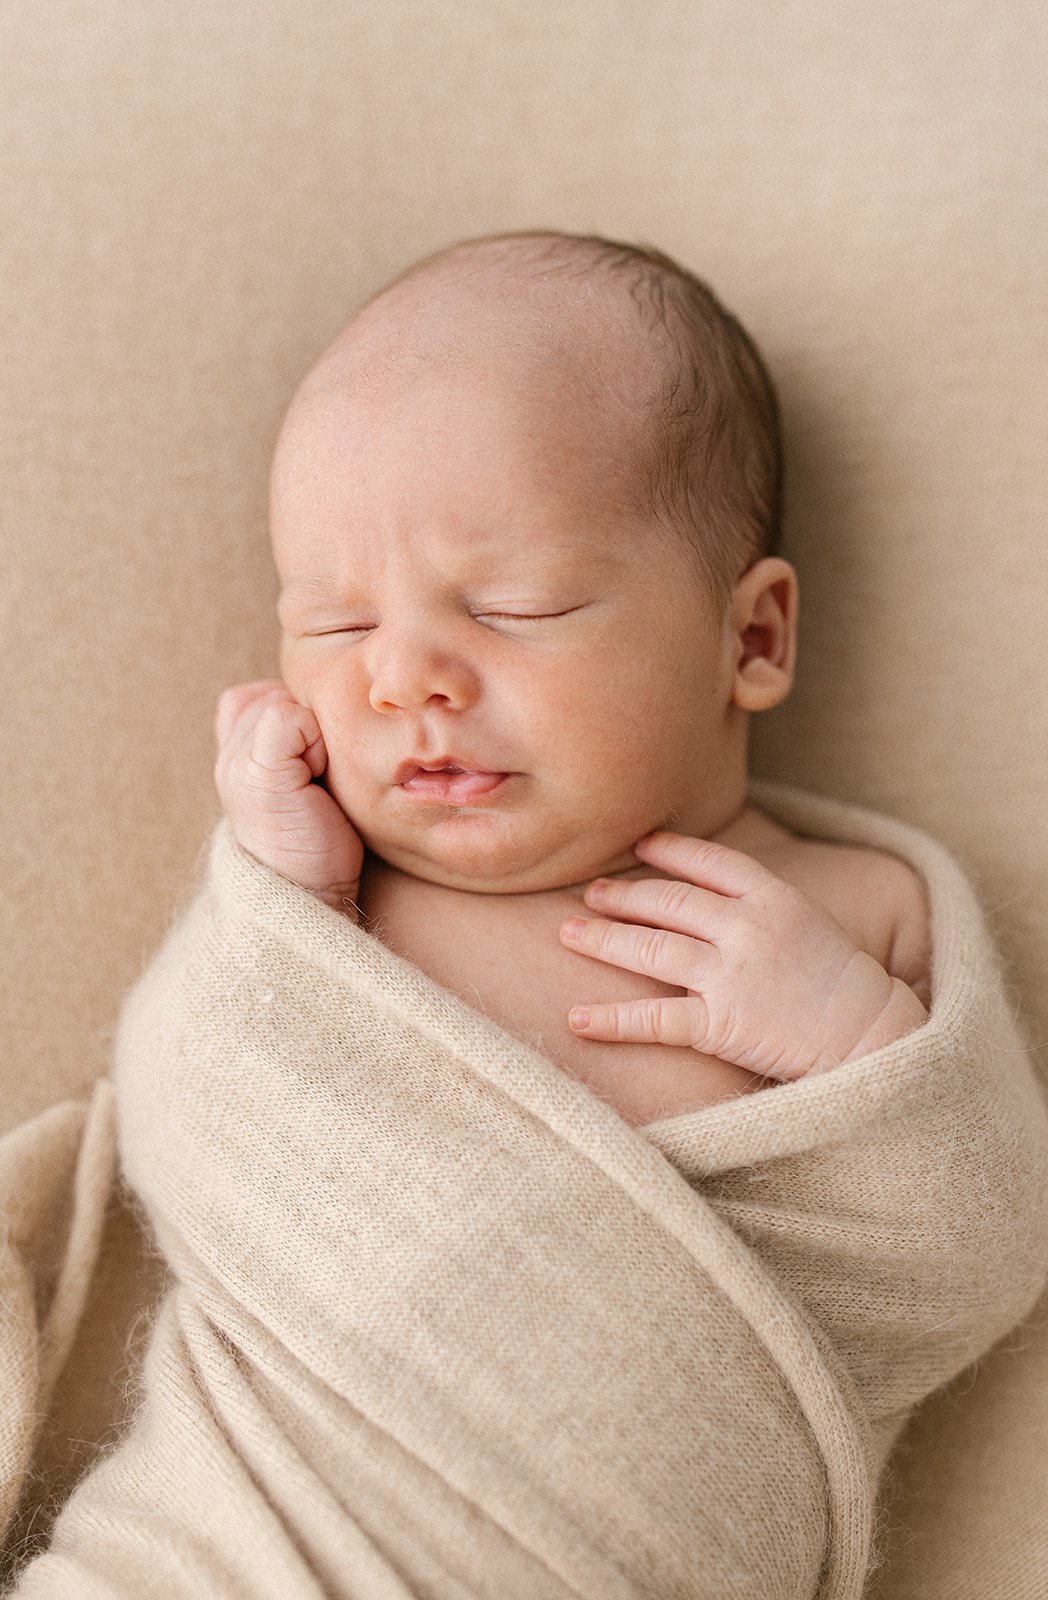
[(878, 898)]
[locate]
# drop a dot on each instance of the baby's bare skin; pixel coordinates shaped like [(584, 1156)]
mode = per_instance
[(806, 914), (503, 955), (475, 579)]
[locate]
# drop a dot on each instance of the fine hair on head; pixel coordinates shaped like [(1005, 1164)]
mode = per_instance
[(713, 472)]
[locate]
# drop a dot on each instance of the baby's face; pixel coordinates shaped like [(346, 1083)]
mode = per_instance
[(465, 579)]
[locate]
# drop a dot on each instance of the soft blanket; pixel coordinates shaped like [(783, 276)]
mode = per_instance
[(443, 1325)]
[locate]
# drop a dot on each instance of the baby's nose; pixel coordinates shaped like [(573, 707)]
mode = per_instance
[(408, 673)]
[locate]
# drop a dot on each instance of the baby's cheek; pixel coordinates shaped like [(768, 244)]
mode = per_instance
[(289, 663), (318, 684)]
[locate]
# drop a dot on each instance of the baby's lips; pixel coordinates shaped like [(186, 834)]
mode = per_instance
[(454, 786), (412, 769)]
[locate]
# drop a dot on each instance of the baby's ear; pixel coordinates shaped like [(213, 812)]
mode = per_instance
[(764, 629)]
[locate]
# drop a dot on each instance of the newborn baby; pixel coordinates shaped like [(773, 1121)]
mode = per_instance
[(440, 1321), (524, 513)]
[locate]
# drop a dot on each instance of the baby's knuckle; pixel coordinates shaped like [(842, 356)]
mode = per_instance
[(608, 1021), (652, 946), (268, 781), (698, 1023), (674, 897), (616, 1021), (649, 1014)]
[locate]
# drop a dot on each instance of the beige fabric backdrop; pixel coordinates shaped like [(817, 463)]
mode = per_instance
[(196, 197)]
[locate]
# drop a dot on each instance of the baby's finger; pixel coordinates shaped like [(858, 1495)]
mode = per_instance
[(656, 1021), (662, 903), (702, 861), (287, 732), (233, 701), (673, 958)]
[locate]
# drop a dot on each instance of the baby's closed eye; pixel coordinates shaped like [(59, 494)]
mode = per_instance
[(525, 616)]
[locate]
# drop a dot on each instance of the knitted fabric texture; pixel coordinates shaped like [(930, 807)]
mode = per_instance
[(443, 1324)]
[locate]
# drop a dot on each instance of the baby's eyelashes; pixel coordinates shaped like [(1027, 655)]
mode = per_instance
[(346, 627)]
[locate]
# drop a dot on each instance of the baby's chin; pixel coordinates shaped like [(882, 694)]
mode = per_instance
[(483, 864)]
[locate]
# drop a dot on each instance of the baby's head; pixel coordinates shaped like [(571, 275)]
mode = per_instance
[(525, 512)]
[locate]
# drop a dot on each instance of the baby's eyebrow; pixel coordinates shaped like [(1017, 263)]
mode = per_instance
[(485, 559), (482, 568), (294, 597), (485, 569), (310, 586)]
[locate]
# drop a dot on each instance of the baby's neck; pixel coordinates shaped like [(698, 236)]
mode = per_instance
[(753, 832)]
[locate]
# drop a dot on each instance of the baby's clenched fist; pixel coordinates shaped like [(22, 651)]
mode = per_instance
[(270, 750)]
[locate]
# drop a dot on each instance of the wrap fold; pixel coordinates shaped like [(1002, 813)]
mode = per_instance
[(444, 1325)]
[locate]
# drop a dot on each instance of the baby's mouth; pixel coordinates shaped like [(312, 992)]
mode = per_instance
[(447, 782)]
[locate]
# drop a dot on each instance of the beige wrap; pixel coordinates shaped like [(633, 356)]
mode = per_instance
[(443, 1325)]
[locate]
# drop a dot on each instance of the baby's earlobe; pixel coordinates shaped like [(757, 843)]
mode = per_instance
[(760, 684)]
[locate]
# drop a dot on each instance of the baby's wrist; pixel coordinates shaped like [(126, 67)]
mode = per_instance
[(901, 1013), (340, 897), (344, 900)]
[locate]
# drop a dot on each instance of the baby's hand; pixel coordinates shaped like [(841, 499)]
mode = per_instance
[(270, 749), (775, 983)]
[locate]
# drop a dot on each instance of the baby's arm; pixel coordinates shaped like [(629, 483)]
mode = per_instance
[(270, 751), (775, 984)]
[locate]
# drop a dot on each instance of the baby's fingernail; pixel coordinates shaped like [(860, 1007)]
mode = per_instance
[(574, 926), (579, 1017), (596, 888)]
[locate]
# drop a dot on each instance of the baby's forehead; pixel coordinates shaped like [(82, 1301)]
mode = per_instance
[(487, 311)]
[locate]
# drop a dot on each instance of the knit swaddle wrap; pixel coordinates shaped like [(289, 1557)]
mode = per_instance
[(443, 1324)]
